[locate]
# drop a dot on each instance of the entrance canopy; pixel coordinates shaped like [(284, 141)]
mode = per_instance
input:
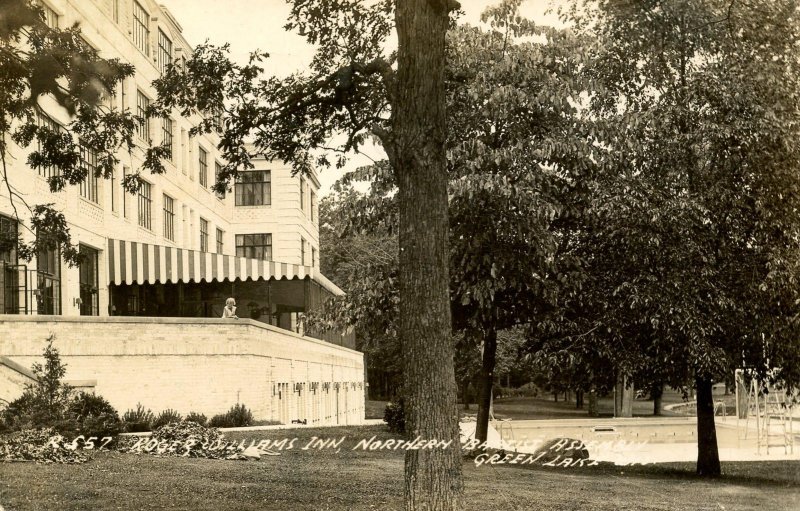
[(130, 262)]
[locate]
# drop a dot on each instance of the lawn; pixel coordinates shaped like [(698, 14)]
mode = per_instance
[(328, 480)]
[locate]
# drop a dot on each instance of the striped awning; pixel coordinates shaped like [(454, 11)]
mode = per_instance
[(132, 262)]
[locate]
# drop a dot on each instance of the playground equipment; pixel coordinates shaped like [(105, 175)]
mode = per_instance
[(769, 406)]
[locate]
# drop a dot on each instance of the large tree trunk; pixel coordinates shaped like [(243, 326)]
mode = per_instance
[(433, 477), (707, 450), (487, 379)]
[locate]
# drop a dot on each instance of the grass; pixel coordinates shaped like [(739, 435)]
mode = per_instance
[(326, 480)]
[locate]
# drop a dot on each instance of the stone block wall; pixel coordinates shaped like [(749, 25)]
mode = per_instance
[(200, 365)]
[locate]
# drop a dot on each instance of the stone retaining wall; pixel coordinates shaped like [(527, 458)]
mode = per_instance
[(196, 364)]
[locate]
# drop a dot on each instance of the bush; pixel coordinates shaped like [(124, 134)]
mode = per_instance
[(166, 417), (86, 404), (139, 420), (197, 418), (94, 415), (395, 417), (238, 416), (45, 402)]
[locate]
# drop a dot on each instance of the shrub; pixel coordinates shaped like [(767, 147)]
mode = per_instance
[(395, 417), (45, 402), (86, 404), (238, 416), (166, 417), (94, 415), (221, 420), (135, 421), (197, 418)]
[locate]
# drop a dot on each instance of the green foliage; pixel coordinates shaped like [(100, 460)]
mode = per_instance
[(166, 417), (197, 418), (138, 420), (238, 416), (395, 416)]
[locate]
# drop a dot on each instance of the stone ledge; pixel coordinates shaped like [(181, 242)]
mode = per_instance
[(150, 320)]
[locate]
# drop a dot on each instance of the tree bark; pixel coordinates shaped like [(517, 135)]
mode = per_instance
[(707, 450), (593, 403), (487, 379), (579, 399), (433, 477), (465, 393), (658, 393)]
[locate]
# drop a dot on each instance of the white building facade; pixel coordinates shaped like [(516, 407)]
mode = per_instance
[(176, 248)]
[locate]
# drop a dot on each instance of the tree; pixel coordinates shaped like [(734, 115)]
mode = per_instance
[(352, 90), (38, 62), (44, 402), (696, 191), (516, 158)]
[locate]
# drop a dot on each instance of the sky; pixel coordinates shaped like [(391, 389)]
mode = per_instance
[(249, 25)]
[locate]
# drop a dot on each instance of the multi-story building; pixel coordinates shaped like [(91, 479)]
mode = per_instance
[(176, 248)]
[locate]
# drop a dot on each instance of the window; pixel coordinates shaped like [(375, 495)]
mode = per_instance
[(216, 119), (50, 16), (254, 246), (166, 136), (141, 30), (125, 172), (142, 104), (88, 186), (164, 57), (311, 206), (48, 282), (217, 171), (145, 205), (254, 188), (169, 218), (203, 167), (203, 235), (302, 251), (45, 121), (220, 236), (113, 190), (122, 95), (302, 195), (313, 257), (115, 10), (89, 281), (8, 240)]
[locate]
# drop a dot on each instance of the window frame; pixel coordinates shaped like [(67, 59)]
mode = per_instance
[(220, 240), (250, 241), (142, 104), (145, 205), (168, 208), (202, 167), (164, 56), (259, 191), (44, 120), (168, 136), (141, 28), (50, 15), (88, 186), (203, 235)]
